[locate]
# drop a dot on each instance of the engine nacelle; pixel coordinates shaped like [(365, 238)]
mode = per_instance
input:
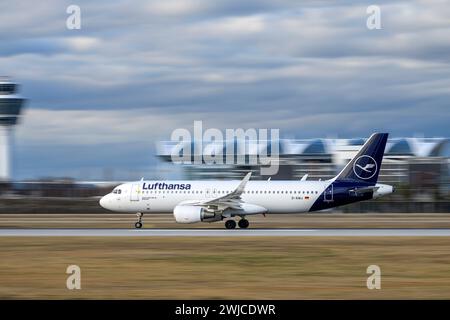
[(192, 214)]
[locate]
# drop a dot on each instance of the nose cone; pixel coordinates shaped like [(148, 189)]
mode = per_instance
[(105, 202)]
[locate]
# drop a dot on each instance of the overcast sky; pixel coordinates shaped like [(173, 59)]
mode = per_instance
[(101, 96)]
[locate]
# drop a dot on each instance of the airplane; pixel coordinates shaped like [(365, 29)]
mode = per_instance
[(211, 201)]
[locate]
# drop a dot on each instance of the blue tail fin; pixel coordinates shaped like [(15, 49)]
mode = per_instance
[(365, 166)]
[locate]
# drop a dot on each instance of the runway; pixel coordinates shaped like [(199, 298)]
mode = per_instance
[(225, 233)]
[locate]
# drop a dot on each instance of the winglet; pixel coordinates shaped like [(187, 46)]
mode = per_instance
[(304, 177), (241, 185)]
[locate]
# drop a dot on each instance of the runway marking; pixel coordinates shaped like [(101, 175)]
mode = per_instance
[(224, 233)]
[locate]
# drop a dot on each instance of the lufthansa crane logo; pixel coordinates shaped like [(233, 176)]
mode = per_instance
[(365, 167)]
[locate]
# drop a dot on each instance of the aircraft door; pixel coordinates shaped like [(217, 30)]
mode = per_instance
[(135, 191), (328, 194)]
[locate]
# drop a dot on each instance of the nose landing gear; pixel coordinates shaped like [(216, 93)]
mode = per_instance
[(138, 224)]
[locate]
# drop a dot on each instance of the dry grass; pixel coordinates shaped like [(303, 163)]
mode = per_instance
[(240, 268)]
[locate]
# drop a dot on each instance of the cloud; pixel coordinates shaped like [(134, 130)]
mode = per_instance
[(136, 72), (234, 26), (82, 43), (178, 8), (42, 127)]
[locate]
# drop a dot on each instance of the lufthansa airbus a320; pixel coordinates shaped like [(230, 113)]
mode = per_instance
[(210, 201)]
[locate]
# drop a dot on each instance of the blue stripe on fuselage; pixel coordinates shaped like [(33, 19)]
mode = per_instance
[(342, 195)]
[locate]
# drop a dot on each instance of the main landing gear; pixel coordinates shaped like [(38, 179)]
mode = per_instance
[(231, 224), (138, 224), (243, 223)]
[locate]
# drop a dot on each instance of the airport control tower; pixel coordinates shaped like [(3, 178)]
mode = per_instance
[(10, 106)]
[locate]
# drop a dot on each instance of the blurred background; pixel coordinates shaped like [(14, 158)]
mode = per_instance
[(82, 110), (87, 107)]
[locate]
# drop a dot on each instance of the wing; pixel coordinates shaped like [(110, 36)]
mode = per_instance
[(231, 200)]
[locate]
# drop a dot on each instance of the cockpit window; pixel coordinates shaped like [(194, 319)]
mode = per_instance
[(117, 191)]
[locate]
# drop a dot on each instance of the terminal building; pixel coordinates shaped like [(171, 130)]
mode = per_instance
[(418, 163), (11, 104)]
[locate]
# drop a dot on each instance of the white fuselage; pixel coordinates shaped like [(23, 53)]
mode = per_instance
[(156, 196), (285, 196)]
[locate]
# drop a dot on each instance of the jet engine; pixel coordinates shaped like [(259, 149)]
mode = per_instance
[(193, 214)]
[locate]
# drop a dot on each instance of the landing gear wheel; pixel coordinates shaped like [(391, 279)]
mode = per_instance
[(243, 223), (138, 224), (230, 224)]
